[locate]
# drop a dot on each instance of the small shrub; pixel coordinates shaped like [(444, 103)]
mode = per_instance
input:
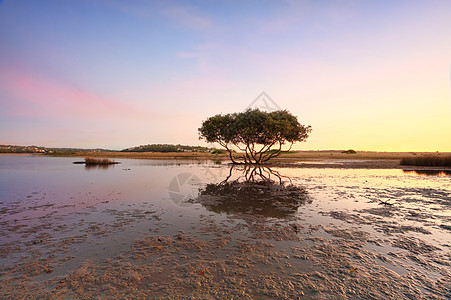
[(350, 151), (428, 161), (218, 151)]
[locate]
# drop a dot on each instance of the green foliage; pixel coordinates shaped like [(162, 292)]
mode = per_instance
[(217, 151), (254, 132), (429, 161), (350, 151)]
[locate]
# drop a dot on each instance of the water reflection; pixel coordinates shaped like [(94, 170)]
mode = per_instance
[(101, 167), (428, 172), (254, 191)]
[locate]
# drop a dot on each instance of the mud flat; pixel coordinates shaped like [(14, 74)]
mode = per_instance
[(328, 233)]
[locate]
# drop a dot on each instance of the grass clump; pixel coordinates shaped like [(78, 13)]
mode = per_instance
[(428, 161), (98, 161)]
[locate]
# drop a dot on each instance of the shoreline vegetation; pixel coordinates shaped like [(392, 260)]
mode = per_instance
[(302, 159), (429, 161)]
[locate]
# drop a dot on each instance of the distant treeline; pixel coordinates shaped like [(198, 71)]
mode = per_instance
[(75, 150), (168, 148)]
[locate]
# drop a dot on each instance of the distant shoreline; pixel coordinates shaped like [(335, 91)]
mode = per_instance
[(302, 159), (12, 153)]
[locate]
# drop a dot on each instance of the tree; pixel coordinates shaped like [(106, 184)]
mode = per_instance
[(259, 135)]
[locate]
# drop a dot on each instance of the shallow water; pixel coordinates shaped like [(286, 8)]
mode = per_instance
[(322, 232)]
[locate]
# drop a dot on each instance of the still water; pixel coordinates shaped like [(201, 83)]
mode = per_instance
[(203, 229)]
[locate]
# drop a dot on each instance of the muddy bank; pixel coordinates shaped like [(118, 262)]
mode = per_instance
[(184, 266), (328, 234)]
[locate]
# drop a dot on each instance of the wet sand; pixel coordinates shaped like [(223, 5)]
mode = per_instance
[(376, 234)]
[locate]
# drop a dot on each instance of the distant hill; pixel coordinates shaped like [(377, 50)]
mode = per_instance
[(168, 148)]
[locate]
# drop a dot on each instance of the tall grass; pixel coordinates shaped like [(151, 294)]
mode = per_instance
[(430, 161), (98, 161)]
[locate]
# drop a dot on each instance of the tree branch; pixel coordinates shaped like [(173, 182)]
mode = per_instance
[(271, 155)]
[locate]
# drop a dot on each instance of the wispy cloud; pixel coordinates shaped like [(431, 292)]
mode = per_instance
[(186, 16)]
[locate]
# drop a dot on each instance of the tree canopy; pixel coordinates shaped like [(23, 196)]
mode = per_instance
[(258, 135)]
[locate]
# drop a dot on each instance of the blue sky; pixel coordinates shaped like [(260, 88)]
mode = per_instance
[(370, 75)]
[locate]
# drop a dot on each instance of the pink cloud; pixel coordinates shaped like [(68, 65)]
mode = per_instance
[(39, 96)]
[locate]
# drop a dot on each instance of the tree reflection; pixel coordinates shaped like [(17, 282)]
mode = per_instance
[(428, 172), (100, 167), (256, 190)]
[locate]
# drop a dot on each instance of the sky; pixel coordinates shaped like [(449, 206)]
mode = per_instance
[(366, 75)]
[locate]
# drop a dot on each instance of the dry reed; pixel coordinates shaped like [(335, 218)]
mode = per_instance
[(98, 161), (429, 161)]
